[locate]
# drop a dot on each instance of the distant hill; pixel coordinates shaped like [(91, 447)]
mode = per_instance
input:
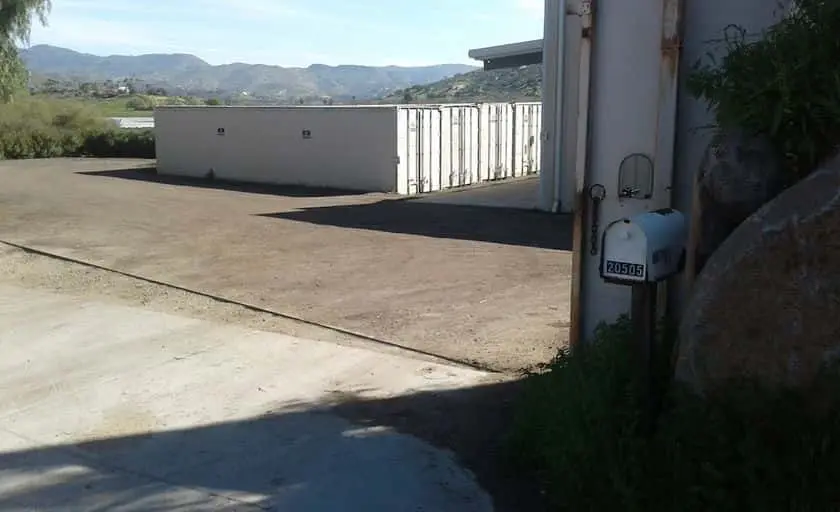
[(188, 74), (518, 84)]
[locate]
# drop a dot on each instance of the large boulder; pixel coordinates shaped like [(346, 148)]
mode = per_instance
[(767, 303), (739, 174)]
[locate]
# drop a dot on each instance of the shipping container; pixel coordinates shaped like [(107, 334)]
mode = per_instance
[(418, 150), (339, 147), (527, 140), (496, 130), (408, 149), (459, 145)]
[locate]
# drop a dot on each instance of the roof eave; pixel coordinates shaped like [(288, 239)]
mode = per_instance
[(509, 55)]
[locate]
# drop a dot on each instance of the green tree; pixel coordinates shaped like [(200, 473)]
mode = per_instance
[(16, 18)]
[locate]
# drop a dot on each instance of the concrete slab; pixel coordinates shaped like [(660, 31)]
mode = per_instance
[(106, 407), (482, 285), (518, 194)]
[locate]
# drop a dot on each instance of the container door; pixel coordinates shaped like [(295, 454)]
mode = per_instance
[(447, 151), (413, 150), (497, 129), (464, 133), (420, 160), (528, 138), (472, 145), (497, 152), (434, 161), (536, 132)]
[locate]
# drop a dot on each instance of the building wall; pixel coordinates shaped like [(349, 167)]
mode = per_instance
[(351, 148), (404, 149), (625, 112), (705, 21)]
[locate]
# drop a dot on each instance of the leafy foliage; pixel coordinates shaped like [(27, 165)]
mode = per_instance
[(745, 447), (577, 425), (15, 25), (784, 85), (38, 128), (12, 71), (16, 17)]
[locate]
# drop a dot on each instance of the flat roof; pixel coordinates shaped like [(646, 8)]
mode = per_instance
[(509, 55)]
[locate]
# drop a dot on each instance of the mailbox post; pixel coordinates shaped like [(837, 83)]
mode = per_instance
[(641, 252)]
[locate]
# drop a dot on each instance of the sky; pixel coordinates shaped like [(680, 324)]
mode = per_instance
[(293, 32)]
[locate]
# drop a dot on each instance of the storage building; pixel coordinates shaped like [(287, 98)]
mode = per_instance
[(408, 149)]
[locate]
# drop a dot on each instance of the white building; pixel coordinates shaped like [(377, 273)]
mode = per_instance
[(613, 93)]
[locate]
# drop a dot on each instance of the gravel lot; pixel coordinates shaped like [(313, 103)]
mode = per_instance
[(484, 286)]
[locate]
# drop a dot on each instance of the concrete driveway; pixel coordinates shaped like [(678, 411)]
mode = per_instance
[(109, 407), (486, 286)]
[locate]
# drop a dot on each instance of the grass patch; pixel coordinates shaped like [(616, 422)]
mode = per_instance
[(47, 128), (141, 105), (745, 447)]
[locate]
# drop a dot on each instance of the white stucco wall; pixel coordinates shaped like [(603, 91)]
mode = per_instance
[(705, 21), (625, 117)]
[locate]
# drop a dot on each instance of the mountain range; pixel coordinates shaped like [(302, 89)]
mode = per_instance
[(188, 74)]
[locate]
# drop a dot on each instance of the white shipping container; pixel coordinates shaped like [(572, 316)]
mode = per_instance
[(496, 141), (392, 148), (460, 130), (418, 149), (527, 142), (342, 147)]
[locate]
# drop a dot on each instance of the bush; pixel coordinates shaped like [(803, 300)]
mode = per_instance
[(119, 144), (42, 128), (577, 425), (742, 448), (783, 86), (141, 103)]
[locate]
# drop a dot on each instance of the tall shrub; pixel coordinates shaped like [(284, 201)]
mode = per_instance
[(784, 85)]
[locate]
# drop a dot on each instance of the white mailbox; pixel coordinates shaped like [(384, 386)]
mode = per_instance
[(649, 247)]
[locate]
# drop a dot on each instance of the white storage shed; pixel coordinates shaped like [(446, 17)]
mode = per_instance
[(408, 149)]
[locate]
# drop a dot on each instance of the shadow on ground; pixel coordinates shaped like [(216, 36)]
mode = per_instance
[(150, 174), (277, 461), (479, 223)]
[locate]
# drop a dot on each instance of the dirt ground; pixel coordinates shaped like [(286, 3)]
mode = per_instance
[(484, 286)]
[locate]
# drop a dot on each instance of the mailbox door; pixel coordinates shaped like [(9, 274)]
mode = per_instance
[(624, 253)]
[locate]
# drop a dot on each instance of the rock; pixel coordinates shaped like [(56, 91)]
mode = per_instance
[(739, 174), (767, 303)]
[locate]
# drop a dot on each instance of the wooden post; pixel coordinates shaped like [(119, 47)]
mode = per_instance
[(643, 316)]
